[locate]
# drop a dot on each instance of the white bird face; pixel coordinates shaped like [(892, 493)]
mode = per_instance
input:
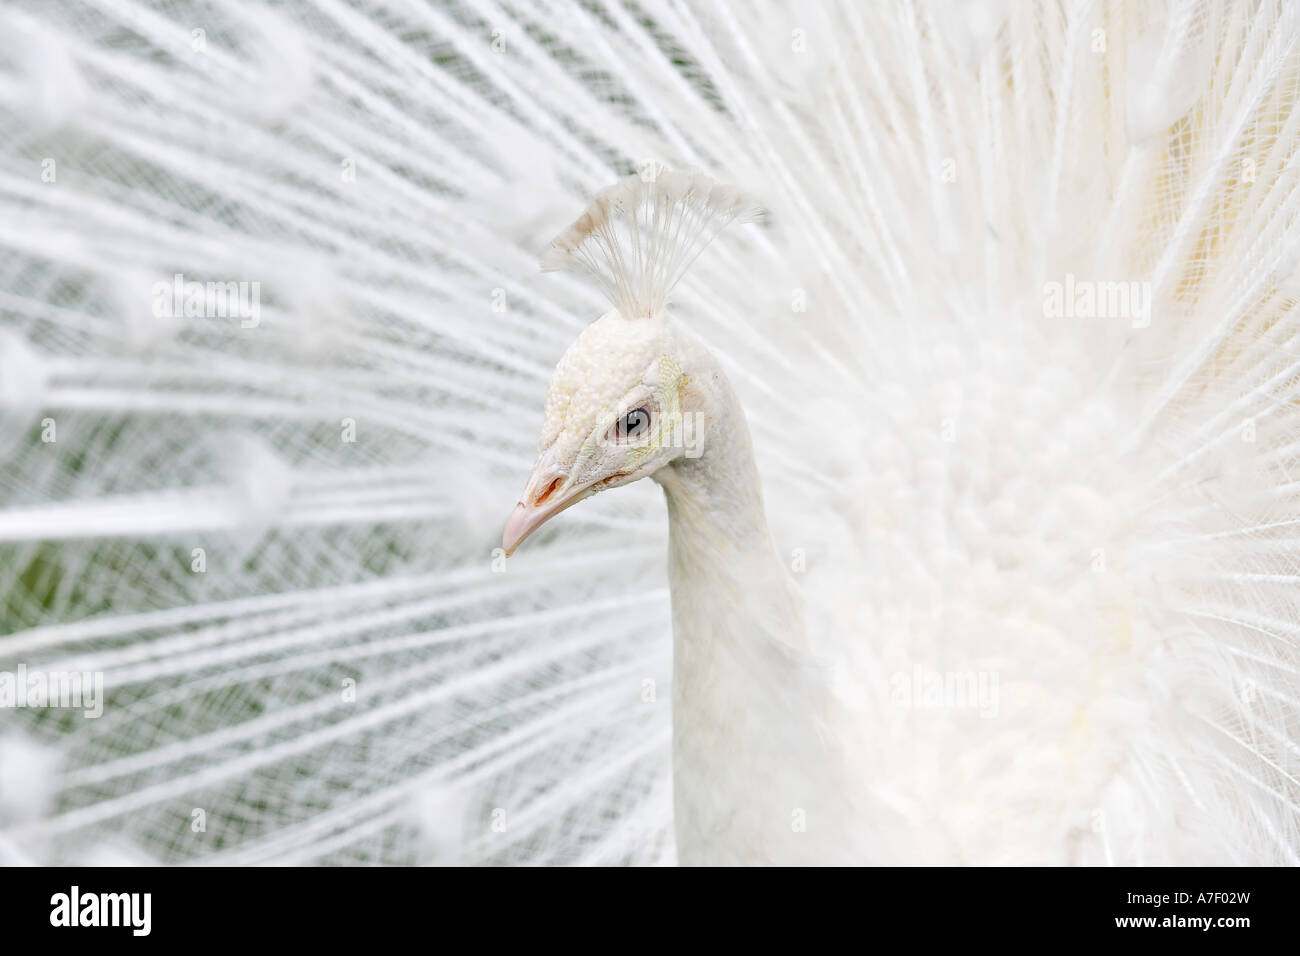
[(615, 413)]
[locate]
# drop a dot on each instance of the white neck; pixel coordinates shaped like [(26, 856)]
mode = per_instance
[(748, 699)]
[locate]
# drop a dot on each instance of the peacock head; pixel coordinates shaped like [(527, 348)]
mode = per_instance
[(632, 395), (620, 407)]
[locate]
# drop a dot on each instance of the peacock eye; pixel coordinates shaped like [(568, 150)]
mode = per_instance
[(634, 423)]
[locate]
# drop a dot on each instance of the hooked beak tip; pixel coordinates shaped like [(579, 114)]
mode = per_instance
[(543, 490), (526, 519), (517, 528)]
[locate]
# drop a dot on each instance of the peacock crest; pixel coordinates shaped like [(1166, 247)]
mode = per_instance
[(638, 237)]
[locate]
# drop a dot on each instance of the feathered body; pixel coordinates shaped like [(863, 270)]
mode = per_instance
[(754, 752), (1016, 343)]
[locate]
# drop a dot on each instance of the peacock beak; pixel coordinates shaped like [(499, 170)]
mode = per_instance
[(542, 500)]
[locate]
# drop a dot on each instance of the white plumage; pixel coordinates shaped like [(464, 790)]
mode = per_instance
[(1016, 341)]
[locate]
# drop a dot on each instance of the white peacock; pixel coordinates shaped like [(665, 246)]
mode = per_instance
[(1016, 342)]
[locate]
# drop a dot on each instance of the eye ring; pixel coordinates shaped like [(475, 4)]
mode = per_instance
[(633, 425)]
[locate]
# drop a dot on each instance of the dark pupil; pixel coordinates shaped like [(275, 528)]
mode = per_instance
[(635, 422)]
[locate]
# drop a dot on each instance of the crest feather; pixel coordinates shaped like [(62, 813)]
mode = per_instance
[(639, 236)]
